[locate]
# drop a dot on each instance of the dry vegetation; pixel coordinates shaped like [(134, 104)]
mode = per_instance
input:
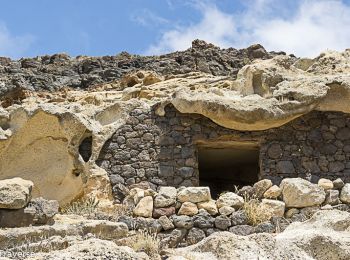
[(256, 213), (81, 207)]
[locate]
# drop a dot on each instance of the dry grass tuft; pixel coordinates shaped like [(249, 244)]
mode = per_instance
[(81, 207), (256, 212), (145, 241)]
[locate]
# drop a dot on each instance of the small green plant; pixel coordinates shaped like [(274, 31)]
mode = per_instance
[(145, 241), (81, 207), (256, 212)]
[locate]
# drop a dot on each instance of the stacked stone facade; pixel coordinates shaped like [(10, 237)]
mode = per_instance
[(162, 150)]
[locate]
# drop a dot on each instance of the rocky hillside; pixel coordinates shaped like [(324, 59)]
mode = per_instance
[(50, 73)]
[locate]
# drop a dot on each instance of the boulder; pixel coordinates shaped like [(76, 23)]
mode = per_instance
[(230, 199), (300, 193), (291, 212), (275, 207), (15, 193), (188, 209), (239, 218), (194, 236), (273, 192), (265, 227), (203, 219), (325, 184), (338, 184), (166, 223), (242, 230), (332, 197), (158, 212), (183, 221), (261, 187), (209, 206), (222, 222), (194, 194), (144, 208), (166, 197), (345, 194), (226, 210)]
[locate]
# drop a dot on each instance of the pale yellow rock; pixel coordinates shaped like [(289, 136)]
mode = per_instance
[(274, 207), (273, 192), (188, 209), (325, 184), (144, 208), (230, 199), (209, 206), (15, 193), (291, 212), (137, 194), (226, 210)]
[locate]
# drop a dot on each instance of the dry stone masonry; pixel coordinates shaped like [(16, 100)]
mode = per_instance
[(163, 151), (187, 215)]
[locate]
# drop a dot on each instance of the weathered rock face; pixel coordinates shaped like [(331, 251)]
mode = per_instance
[(15, 193), (148, 106)]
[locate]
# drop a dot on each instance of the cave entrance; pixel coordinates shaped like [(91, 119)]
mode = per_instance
[(223, 166)]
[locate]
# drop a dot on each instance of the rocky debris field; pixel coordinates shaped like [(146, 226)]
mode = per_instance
[(296, 219)]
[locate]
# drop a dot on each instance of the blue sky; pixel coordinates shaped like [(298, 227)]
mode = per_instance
[(107, 27)]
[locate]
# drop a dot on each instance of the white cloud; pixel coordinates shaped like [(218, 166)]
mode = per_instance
[(312, 27), (146, 17), (11, 45)]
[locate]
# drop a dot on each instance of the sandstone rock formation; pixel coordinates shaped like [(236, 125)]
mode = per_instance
[(57, 112)]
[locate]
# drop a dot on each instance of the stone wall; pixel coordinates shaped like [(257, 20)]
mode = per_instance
[(163, 150)]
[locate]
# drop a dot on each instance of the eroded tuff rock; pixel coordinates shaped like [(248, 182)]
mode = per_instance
[(57, 112)]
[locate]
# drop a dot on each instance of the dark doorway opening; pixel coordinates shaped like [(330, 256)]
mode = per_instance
[(85, 148), (223, 168)]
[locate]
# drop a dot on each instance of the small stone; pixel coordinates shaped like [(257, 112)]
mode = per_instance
[(261, 187), (166, 197), (222, 222), (266, 227), (209, 206), (15, 193), (203, 220), (182, 221), (275, 207), (291, 212), (332, 197), (188, 209), (158, 212), (239, 218), (325, 184), (137, 194), (230, 199), (194, 236), (285, 167), (166, 223), (345, 194), (273, 192), (226, 210), (338, 184), (275, 151), (242, 230), (309, 211), (194, 194), (144, 208)]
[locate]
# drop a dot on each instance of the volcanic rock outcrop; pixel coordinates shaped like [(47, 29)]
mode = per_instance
[(57, 111)]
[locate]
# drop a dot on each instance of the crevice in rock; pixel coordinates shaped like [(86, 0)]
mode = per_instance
[(85, 147)]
